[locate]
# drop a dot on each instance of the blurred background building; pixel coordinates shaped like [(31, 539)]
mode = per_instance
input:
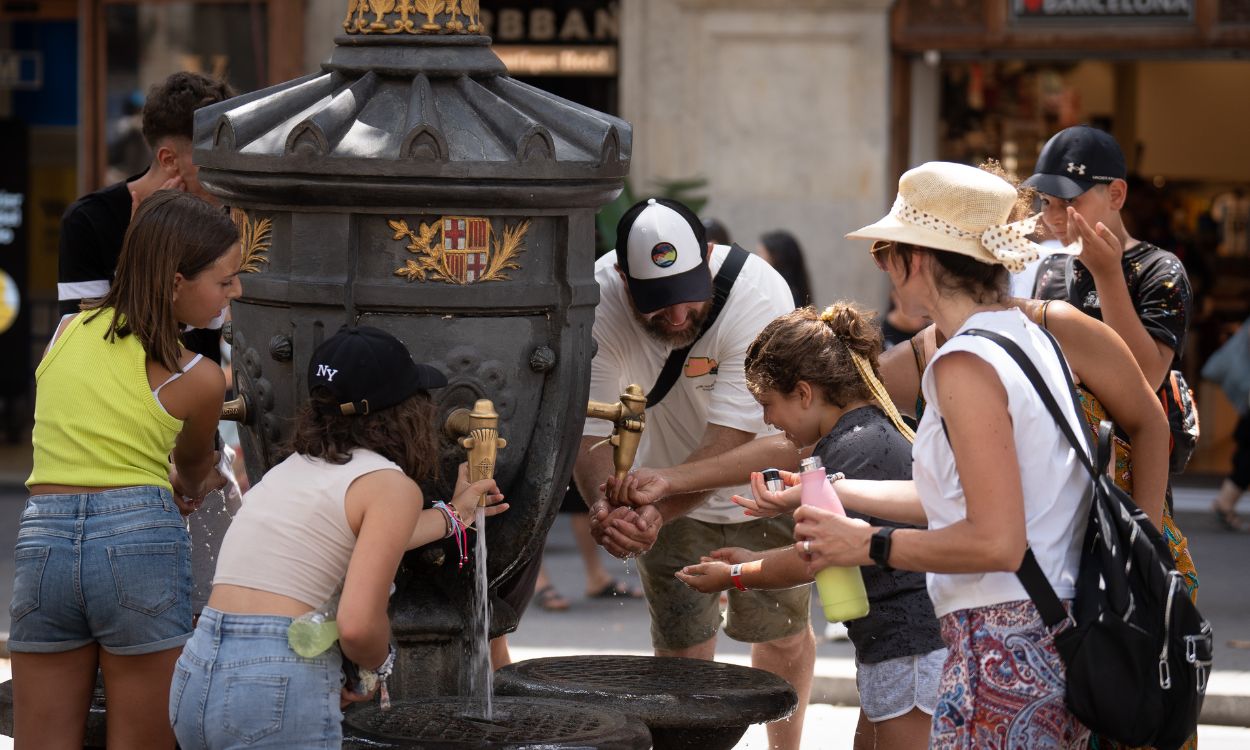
[(794, 114)]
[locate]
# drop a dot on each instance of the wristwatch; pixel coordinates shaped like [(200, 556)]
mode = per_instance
[(879, 547)]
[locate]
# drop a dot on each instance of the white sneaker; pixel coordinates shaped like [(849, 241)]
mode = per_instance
[(836, 631)]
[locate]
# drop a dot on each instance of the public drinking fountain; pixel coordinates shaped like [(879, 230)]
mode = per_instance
[(412, 185)]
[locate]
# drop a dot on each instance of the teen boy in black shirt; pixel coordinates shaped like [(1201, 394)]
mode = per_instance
[(94, 226), (1140, 290)]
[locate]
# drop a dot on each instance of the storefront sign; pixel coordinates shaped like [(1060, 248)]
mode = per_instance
[(15, 343), (10, 216), (559, 22), (545, 60), (21, 70), (1167, 10)]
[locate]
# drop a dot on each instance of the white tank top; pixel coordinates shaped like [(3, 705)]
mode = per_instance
[(291, 537), (1055, 484)]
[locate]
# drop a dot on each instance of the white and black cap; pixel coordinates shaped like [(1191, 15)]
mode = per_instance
[(662, 249), (1075, 159)]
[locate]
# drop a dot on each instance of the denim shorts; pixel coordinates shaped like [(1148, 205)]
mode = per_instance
[(238, 684), (110, 567)]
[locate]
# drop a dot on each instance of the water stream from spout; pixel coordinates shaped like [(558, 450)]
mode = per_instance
[(480, 683)]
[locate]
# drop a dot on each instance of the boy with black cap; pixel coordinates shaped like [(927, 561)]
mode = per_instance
[(1140, 290), (659, 311)]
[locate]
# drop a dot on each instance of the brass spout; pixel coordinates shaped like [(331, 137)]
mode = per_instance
[(235, 410), (628, 417), (477, 432)]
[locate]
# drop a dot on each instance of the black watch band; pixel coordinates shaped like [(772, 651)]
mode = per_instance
[(879, 547)]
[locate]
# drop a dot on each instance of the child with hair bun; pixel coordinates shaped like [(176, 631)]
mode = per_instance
[(815, 375)]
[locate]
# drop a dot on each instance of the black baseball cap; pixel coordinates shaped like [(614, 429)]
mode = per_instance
[(368, 370), (662, 249), (1076, 159)]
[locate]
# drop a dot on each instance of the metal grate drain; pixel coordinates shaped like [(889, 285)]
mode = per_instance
[(445, 722)]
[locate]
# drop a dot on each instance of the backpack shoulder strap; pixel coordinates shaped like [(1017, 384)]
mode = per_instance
[(722, 285)]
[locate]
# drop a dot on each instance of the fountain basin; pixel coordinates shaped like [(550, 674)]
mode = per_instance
[(688, 704), (444, 723)]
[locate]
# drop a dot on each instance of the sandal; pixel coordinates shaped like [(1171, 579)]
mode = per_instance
[(616, 589), (1227, 519), (551, 600)]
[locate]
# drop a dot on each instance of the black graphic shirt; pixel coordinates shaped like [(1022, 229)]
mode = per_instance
[(1157, 284)]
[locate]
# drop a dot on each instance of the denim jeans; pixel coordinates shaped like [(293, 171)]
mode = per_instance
[(239, 685), (112, 567)]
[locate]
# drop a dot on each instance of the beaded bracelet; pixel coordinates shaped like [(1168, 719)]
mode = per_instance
[(457, 528)]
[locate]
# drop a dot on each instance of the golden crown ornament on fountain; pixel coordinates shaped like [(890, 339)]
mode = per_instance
[(404, 17)]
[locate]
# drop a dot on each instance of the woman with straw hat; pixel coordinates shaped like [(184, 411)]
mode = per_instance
[(994, 475)]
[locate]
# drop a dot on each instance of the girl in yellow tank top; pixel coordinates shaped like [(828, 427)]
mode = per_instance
[(103, 558)]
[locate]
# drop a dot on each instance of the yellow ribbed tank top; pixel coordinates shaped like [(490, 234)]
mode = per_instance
[(97, 423)]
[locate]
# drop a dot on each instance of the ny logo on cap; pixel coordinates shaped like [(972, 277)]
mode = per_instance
[(327, 373), (1076, 168)]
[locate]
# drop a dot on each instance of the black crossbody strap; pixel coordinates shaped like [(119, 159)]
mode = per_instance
[(721, 286), (1030, 573)]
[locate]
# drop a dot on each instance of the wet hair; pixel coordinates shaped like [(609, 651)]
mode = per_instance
[(835, 350), (404, 433), (172, 232), (169, 111), (787, 258)]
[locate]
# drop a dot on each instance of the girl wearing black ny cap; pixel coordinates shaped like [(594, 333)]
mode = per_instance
[(338, 514)]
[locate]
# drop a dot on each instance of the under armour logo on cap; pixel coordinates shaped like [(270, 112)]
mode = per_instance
[(1075, 160)]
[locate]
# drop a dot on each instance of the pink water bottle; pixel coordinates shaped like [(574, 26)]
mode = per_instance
[(842, 594)]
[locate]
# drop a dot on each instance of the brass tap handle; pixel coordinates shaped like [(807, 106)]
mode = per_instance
[(235, 410), (477, 431), (628, 417)]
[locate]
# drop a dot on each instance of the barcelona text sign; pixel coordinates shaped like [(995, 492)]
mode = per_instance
[(1164, 10)]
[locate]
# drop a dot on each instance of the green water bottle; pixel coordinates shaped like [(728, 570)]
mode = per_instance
[(313, 632), (842, 594)]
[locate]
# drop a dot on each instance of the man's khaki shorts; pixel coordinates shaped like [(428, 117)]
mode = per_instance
[(682, 617)]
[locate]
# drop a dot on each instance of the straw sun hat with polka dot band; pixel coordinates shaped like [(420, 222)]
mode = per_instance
[(946, 206)]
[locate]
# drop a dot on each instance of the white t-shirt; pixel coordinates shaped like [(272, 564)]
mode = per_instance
[(1056, 485), (712, 388)]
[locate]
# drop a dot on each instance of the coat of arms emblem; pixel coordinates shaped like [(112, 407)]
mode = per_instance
[(459, 249)]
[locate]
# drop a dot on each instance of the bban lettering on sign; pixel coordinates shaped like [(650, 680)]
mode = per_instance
[(1154, 9), (568, 22)]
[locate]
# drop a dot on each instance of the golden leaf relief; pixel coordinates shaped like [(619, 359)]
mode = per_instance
[(254, 239), (468, 251)]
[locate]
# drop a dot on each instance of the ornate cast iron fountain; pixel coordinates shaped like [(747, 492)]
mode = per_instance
[(412, 185)]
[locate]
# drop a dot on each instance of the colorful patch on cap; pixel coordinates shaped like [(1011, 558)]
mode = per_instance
[(664, 255)]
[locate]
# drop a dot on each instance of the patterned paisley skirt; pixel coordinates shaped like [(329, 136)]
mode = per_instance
[(1003, 684)]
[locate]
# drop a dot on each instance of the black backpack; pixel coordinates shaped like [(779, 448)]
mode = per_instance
[(1137, 651)]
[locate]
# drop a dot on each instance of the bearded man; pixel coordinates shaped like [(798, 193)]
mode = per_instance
[(657, 303)]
